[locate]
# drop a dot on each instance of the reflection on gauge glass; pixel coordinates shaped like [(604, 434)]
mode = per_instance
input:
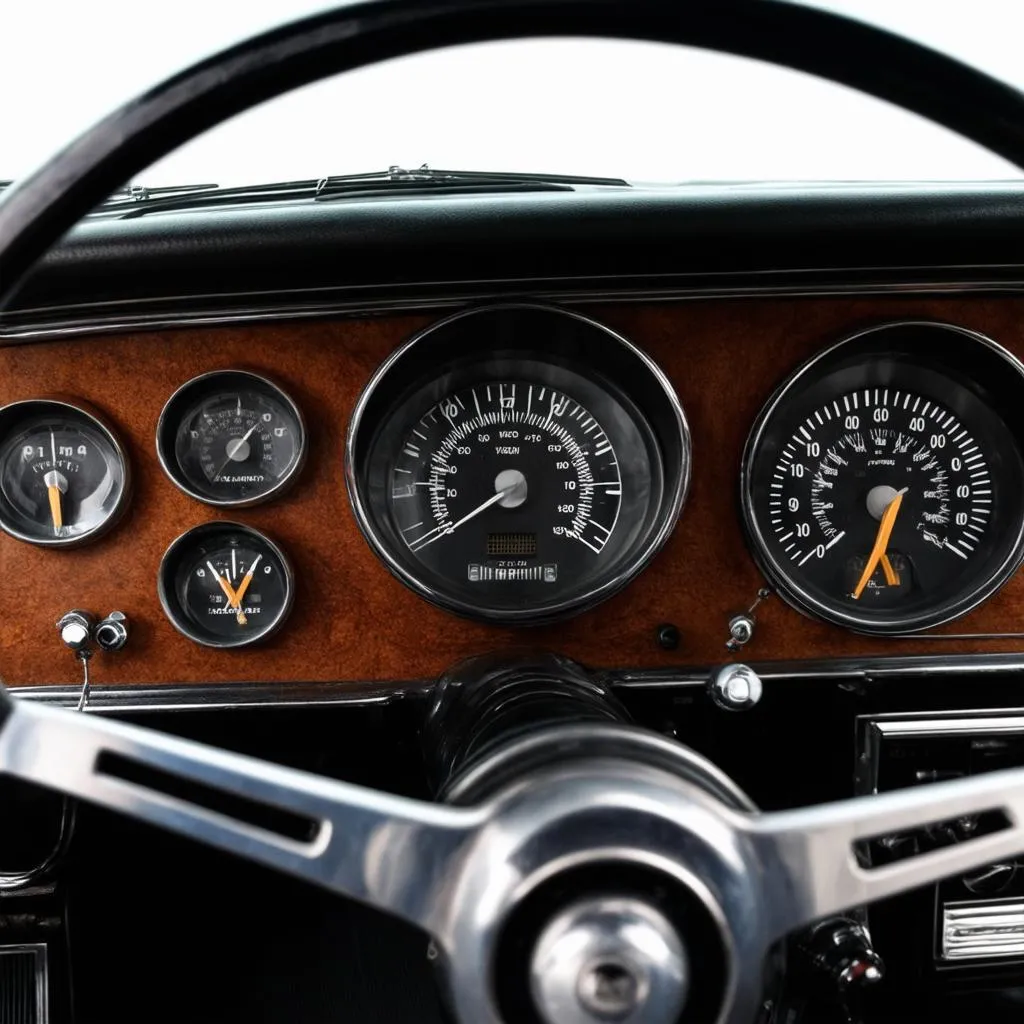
[(225, 585), (884, 484), (526, 484), (63, 475), (231, 438)]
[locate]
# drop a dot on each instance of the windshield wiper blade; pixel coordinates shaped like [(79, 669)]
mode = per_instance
[(395, 180)]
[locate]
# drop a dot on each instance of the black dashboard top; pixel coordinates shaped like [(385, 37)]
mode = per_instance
[(394, 253)]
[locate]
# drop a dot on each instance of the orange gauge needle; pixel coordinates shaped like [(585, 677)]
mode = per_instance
[(55, 510), (242, 588), (55, 487), (892, 577), (881, 543)]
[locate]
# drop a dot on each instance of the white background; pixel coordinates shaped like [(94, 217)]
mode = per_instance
[(644, 112)]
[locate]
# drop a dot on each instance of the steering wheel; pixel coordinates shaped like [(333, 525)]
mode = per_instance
[(573, 871)]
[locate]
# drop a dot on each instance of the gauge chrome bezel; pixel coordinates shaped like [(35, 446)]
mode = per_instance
[(169, 422), (36, 406), (778, 575), (675, 487), (167, 592)]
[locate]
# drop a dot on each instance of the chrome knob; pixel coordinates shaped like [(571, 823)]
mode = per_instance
[(75, 629), (609, 959), (112, 632), (736, 687)]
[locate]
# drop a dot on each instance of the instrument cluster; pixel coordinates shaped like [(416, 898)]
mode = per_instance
[(518, 464)]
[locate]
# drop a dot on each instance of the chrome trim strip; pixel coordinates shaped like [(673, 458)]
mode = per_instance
[(952, 723), (867, 669), (223, 696), (77, 323)]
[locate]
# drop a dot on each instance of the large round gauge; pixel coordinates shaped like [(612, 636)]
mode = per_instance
[(231, 438), (517, 463), (225, 585), (883, 485), (64, 477)]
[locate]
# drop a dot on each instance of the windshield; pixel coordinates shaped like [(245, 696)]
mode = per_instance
[(644, 112)]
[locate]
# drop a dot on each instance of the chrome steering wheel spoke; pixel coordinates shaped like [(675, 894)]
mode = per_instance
[(390, 852), (462, 873), (817, 855)]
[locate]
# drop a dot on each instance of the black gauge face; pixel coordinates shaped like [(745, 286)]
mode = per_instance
[(63, 475), (511, 482), (886, 491), (519, 487), (225, 585), (231, 439)]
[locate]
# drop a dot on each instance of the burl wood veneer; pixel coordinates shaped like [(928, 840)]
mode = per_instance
[(352, 620)]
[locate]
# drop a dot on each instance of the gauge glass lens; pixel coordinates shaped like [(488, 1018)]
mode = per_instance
[(225, 585), (510, 482), (887, 493), (231, 438), (63, 476), (518, 487)]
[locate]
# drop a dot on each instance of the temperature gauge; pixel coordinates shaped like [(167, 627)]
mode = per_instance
[(63, 475), (225, 585), (231, 439)]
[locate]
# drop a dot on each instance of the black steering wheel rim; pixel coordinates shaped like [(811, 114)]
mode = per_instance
[(37, 211)]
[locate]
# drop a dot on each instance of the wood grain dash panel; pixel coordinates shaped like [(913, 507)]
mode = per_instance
[(352, 620)]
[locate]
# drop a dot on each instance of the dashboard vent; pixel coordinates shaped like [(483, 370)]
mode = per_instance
[(23, 984)]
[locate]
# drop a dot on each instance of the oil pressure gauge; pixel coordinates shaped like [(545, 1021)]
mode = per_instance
[(231, 439), (64, 477)]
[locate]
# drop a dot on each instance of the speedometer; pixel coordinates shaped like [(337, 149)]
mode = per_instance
[(513, 468), (524, 482), (883, 486)]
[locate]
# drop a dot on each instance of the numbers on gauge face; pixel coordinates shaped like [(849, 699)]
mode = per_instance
[(880, 493), (504, 468)]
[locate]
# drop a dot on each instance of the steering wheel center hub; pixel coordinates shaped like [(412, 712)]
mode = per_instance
[(609, 959)]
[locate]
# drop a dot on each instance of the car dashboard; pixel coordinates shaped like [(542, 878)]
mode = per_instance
[(750, 455)]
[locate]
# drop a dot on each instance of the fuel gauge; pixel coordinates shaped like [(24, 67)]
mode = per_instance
[(63, 475)]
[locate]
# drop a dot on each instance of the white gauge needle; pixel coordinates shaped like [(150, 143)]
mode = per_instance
[(234, 450), (445, 530)]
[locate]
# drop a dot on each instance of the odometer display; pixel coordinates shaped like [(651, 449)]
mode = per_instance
[(883, 486)]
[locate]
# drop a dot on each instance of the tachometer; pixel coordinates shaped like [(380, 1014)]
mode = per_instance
[(523, 484), (883, 485)]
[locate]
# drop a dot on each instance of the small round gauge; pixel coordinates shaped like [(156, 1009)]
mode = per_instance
[(64, 478), (525, 484), (231, 439), (883, 485), (225, 585)]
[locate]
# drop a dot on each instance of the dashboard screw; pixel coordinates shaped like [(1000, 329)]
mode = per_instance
[(667, 636)]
